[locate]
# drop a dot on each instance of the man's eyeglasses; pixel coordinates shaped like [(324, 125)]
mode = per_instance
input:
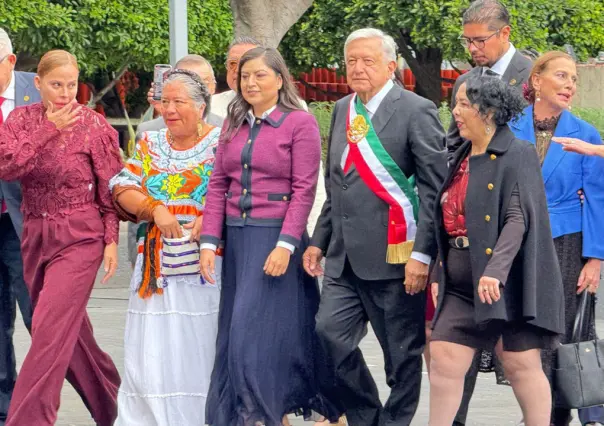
[(208, 80), (232, 64), (3, 58), (478, 42)]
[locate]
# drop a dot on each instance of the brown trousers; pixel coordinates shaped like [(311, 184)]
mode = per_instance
[(61, 257)]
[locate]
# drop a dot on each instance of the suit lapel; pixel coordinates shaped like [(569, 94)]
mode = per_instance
[(523, 125), (513, 73), (24, 94), (380, 119), (566, 127), (386, 110), (340, 140)]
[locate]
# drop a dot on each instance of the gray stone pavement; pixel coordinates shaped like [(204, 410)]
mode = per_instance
[(492, 405)]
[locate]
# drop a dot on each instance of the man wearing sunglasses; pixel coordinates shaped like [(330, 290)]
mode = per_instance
[(16, 89), (486, 35)]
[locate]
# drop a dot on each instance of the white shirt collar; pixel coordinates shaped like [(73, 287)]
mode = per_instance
[(374, 103), (9, 93), (251, 118), (501, 66)]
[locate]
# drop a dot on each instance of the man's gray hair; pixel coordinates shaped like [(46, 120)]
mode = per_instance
[(490, 12), (237, 41), (388, 44), (195, 60), (6, 46)]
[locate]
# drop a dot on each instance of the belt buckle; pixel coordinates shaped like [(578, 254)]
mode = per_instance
[(461, 242)]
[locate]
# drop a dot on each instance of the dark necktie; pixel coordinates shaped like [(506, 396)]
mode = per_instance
[(490, 73)]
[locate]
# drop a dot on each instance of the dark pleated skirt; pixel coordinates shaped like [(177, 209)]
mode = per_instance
[(268, 361)]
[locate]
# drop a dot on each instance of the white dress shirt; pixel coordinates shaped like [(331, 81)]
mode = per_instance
[(372, 106), (9, 95), (501, 66), (220, 103)]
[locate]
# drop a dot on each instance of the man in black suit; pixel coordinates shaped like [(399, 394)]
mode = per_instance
[(363, 282), (16, 89), (486, 34)]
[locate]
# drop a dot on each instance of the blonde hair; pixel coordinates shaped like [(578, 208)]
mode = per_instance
[(539, 66), (54, 59)]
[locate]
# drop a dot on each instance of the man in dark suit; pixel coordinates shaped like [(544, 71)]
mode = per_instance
[(366, 278), (16, 89), (486, 34)]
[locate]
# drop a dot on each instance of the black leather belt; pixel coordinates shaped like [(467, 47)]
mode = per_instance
[(459, 242)]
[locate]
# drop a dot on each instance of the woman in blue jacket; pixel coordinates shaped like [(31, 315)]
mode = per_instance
[(577, 228)]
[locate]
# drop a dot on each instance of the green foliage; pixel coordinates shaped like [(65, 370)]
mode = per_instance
[(318, 38), (445, 116), (593, 116), (322, 112), (106, 34)]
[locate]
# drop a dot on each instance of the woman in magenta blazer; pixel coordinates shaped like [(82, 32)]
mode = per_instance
[(261, 193)]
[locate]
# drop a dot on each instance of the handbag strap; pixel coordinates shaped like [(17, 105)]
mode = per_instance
[(582, 317)]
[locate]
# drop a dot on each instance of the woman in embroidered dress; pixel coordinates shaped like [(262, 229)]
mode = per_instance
[(576, 227), (267, 162), (172, 319), (64, 156)]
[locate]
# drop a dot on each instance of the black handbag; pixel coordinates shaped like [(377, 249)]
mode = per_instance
[(579, 376)]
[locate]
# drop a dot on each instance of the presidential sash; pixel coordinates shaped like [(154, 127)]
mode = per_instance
[(383, 176)]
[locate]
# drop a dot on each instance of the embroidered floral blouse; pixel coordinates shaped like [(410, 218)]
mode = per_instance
[(61, 171), (179, 179)]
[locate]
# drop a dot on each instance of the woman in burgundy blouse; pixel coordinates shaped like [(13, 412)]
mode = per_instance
[(499, 285), (64, 156)]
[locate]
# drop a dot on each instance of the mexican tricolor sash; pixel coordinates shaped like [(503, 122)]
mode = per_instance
[(383, 176)]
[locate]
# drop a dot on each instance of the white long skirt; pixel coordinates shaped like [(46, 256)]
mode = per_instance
[(170, 345)]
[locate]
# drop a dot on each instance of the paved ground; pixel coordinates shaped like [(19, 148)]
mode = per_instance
[(492, 405)]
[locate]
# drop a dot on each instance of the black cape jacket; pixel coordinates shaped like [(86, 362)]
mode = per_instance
[(533, 291)]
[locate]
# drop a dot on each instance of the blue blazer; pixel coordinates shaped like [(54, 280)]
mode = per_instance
[(25, 94), (564, 173)]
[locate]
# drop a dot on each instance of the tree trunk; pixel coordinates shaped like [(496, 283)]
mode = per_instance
[(425, 66), (97, 97), (267, 20)]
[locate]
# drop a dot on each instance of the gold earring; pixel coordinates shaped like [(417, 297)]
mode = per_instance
[(199, 128), (538, 96), (488, 130)]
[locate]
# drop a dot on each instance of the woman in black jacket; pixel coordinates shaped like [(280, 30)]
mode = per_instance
[(498, 282)]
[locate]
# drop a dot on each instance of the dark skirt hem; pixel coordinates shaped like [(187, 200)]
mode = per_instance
[(269, 362)]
